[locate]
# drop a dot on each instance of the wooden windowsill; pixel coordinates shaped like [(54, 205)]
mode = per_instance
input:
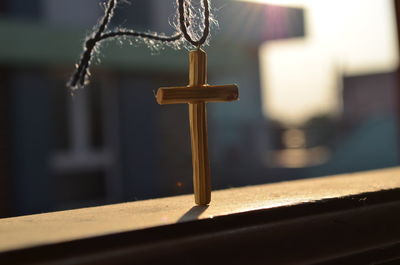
[(351, 205)]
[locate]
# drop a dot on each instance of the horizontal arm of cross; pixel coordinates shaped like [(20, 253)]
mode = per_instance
[(188, 94)]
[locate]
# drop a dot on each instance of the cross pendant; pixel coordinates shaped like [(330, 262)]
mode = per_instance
[(197, 94)]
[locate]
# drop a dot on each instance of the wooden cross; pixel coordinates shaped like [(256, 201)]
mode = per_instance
[(197, 94)]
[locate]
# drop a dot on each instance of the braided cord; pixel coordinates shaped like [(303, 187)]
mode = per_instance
[(80, 76), (184, 24)]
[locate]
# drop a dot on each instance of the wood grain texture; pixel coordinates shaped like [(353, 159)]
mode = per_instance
[(197, 94), (197, 68), (205, 93), (200, 161), (49, 228), (198, 131)]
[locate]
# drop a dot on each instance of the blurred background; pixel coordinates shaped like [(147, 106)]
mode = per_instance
[(318, 96)]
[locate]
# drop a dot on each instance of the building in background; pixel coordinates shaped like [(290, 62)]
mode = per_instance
[(111, 142)]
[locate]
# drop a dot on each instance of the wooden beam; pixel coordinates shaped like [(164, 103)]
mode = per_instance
[(177, 95)]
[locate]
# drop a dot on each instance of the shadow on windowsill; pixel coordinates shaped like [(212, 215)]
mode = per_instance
[(193, 213)]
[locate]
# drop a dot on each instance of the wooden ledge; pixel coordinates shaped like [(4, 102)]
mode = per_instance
[(364, 206)]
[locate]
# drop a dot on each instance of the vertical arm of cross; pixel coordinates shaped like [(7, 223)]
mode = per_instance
[(197, 94), (198, 130)]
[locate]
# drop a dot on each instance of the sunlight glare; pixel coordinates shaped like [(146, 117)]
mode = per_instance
[(302, 77), (291, 3)]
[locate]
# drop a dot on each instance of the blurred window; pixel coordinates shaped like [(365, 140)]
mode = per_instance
[(136, 14), (82, 13), (31, 9)]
